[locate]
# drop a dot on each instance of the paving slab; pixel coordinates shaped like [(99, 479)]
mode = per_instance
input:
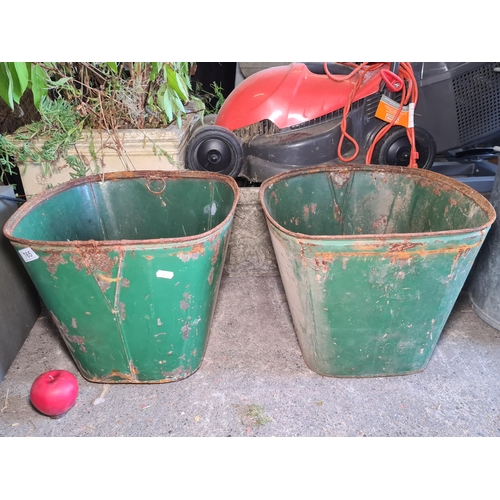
[(253, 382)]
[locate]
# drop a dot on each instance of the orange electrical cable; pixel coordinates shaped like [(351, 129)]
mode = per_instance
[(359, 70), (409, 96), (342, 78), (386, 128), (410, 131)]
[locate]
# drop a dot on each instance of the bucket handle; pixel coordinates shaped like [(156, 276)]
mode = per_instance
[(153, 189)]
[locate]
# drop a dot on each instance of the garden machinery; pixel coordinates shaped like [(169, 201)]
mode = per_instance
[(306, 114)]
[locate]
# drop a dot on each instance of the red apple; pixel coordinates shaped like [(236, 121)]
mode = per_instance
[(54, 392)]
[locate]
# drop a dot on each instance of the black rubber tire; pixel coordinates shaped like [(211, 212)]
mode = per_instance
[(215, 149), (394, 148)]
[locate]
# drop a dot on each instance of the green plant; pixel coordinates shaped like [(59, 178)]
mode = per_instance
[(216, 97), (73, 96), (253, 415)]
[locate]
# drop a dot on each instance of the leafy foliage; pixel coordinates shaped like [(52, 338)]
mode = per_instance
[(71, 96), (207, 97)]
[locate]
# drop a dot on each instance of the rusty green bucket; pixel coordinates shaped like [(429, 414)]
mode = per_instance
[(129, 268), (372, 260)]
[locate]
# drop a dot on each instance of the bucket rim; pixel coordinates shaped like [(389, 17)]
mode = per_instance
[(467, 191), (41, 198)]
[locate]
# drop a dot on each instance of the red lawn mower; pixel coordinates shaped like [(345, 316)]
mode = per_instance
[(306, 114)]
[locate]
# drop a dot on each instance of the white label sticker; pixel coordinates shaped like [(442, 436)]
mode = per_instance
[(165, 274), (411, 122), (28, 255)]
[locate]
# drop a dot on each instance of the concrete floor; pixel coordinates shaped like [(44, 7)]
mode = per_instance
[(253, 382)]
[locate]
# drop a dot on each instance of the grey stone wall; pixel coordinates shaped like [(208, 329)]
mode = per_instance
[(250, 251)]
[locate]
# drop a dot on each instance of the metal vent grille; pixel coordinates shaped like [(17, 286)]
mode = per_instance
[(267, 127), (372, 104), (325, 118), (477, 98)]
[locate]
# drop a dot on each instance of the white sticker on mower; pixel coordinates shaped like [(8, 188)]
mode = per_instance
[(28, 255), (165, 274), (411, 119)]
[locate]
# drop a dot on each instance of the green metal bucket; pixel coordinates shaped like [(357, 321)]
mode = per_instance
[(130, 268), (372, 260)]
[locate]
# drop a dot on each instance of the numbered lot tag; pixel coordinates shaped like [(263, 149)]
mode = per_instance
[(28, 255)]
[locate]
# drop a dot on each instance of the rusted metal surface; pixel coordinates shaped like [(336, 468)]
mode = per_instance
[(129, 268), (484, 282), (371, 275)]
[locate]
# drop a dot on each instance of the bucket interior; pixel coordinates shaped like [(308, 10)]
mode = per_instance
[(134, 208), (338, 202)]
